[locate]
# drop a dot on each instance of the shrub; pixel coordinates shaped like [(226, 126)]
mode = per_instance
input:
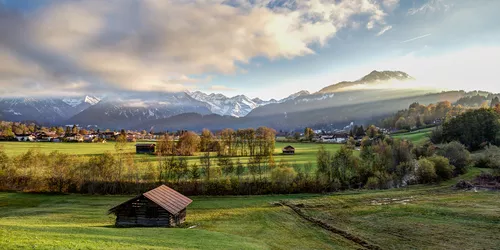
[(458, 156), (490, 158), (372, 183), (436, 135), (283, 175), (426, 149), (426, 172), (444, 170)]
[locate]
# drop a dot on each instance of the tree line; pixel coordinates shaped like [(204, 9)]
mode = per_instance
[(227, 142)]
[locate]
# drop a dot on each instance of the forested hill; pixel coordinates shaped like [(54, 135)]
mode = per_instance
[(336, 116)]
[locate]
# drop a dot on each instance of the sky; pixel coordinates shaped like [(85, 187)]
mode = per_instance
[(260, 48)]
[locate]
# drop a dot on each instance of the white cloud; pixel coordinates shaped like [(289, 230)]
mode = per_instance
[(220, 88), (390, 4), (385, 29), (431, 6), (154, 45)]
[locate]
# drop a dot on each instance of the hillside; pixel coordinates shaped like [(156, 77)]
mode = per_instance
[(334, 116), (44, 110), (430, 217), (373, 77)]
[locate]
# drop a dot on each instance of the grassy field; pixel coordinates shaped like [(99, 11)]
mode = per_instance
[(305, 152), (430, 217), (416, 137)]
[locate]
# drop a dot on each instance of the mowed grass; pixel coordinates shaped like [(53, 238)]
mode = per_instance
[(305, 152), (37, 221), (431, 217), (421, 217), (416, 137)]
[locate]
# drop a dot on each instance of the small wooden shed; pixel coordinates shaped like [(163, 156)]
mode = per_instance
[(160, 207), (145, 148), (289, 150)]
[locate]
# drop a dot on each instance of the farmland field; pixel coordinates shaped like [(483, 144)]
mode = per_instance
[(430, 217), (305, 152), (417, 137)]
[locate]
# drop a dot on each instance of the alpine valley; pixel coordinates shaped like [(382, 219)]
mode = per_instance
[(333, 106)]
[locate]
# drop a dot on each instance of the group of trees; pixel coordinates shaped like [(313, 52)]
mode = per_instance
[(227, 142), (359, 131), (475, 129), (385, 163), (119, 172), (418, 116)]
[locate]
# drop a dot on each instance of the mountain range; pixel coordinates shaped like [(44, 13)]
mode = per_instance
[(333, 105)]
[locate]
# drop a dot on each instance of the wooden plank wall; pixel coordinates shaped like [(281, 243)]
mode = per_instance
[(134, 213)]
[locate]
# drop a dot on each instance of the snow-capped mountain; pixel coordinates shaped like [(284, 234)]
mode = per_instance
[(43, 110), (220, 104), (82, 103), (127, 110), (261, 102), (76, 101), (295, 96), (237, 106)]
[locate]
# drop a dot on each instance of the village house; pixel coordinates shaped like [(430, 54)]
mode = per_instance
[(25, 137), (145, 148), (46, 136), (335, 138), (90, 137), (289, 150), (108, 135), (74, 138), (131, 137), (160, 207)]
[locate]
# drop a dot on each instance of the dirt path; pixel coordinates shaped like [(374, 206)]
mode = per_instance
[(330, 228)]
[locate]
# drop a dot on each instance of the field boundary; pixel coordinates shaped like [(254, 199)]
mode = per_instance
[(317, 222)]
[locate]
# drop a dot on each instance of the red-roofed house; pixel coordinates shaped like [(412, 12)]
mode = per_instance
[(160, 207)]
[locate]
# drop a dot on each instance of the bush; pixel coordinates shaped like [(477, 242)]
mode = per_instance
[(444, 170), (436, 136), (490, 158), (426, 172), (458, 156), (426, 149), (372, 183), (283, 175)]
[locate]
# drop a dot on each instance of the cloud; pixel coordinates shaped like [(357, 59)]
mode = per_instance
[(431, 6), (385, 29), (221, 88), (157, 45), (415, 38), (390, 4)]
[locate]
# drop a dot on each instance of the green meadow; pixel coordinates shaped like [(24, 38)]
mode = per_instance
[(305, 152), (416, 137), (418, 217)]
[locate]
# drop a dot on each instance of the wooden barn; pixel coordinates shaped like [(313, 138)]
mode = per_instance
[(145, 148), (160, 207), (289, 150)]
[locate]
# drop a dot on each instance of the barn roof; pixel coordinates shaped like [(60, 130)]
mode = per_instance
[(165, 197), (145, 145), (289, 147)]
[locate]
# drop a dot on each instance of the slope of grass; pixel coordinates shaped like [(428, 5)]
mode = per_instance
[(421, 217), (418, 217), (416, 137), (80, 222)]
